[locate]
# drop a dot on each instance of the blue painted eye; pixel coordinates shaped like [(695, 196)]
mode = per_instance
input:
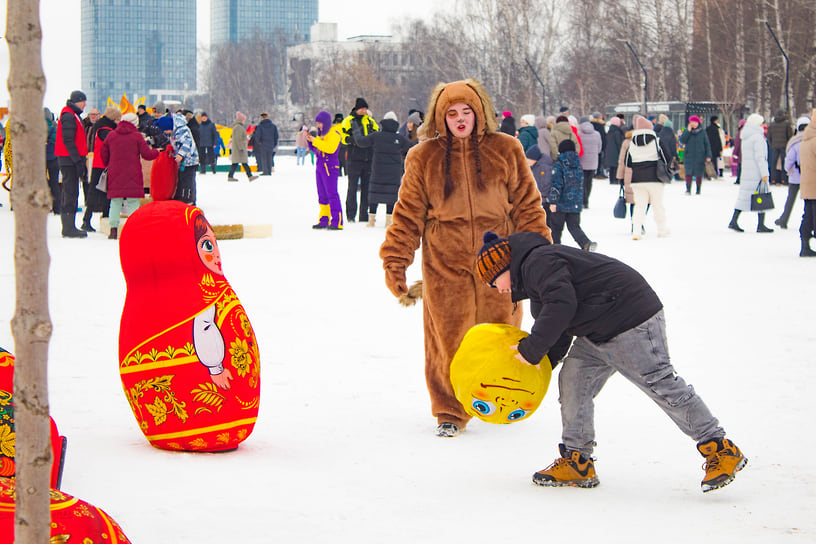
[(516, 414), (483, 407)]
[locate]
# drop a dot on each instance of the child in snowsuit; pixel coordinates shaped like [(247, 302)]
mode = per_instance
[(567, 196), (325, 146), (618, 325)]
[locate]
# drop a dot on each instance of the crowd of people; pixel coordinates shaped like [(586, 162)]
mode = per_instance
[(453, 173)]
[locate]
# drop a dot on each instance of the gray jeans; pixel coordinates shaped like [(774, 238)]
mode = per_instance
[(641, 355)]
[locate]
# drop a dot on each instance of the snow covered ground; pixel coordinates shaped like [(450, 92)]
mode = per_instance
[(344, 448)]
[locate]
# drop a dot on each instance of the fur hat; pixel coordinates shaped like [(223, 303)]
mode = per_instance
[(78, 96), (529, 119), (112, 113), (360, 103), (165, 123), (468, 92), (494, 257), (131, 118), (754, 119), (391, 115)]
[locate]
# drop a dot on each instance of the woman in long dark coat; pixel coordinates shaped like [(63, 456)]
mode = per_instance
[(387, 165), (697, 152)]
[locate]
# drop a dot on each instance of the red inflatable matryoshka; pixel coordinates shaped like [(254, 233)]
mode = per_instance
[(188, 358), (72, 519)]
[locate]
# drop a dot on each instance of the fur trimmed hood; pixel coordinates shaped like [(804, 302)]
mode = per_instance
[(468, 92)]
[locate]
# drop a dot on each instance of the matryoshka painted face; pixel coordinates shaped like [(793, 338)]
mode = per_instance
[(208, 251)]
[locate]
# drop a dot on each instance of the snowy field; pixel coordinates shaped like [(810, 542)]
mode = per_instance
[(344, 448)]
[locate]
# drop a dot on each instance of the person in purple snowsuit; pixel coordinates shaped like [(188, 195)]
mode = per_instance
[(325, 146)]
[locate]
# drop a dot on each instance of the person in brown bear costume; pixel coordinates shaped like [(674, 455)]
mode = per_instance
[(466, 178)]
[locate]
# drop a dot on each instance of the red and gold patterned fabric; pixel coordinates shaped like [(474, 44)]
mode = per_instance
[(188, 357), (72, 520), (7, 433)]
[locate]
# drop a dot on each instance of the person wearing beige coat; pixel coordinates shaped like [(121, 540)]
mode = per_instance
[(465, 179), (807, 163)]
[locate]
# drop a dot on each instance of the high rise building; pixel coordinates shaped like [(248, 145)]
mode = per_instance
[(133, 46), (234, 20)]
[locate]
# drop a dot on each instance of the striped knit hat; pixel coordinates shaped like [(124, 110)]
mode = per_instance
[(494, 257)]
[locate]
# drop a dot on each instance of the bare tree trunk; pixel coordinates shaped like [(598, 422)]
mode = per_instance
[(31, 324), (739, 48), (711, 69), (784, 93)]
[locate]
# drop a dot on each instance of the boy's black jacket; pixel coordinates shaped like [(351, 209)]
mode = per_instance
[(574, 293)]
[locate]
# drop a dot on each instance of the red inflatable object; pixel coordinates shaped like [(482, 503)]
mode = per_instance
[(72, 520), (188, 358), (8, 468), (163, 176)]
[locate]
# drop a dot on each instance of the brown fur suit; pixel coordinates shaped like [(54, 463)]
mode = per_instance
[(493, 189)]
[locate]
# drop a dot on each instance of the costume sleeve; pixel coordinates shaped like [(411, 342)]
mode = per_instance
[(527, 213), (329, 143), (208, 342), (403, 237), (549, 280)]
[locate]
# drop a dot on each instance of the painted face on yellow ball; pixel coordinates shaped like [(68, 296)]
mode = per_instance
[(488, 380), (504, 400)]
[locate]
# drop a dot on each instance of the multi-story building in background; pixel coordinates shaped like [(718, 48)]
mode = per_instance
[(132, 47), (231, 21)]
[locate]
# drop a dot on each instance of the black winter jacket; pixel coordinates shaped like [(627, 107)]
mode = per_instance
[(614, 141), (574, 293), (388, 163), (266, 135)]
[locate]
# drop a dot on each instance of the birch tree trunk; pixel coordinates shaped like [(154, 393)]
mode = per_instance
[(31, 324)]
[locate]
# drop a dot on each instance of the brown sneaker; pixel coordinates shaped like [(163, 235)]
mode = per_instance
[(571, 469), (723, 459), (253, 178)]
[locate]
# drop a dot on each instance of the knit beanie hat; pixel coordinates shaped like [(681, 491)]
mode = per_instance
[(494, 257), (131, 118), (390, 115), (583, 119), (78, 96), (360, 103), (804, 120), (338, 118), (533, 152), (165, 123), (507, 114), (694, 119), (415, 119), (529, 119), (615, 121), (566, 145)]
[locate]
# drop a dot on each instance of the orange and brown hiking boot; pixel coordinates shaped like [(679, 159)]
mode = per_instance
[(571, 469), (723, 459)]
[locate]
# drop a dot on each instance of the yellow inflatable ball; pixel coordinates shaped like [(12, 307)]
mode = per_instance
[(490, 382)]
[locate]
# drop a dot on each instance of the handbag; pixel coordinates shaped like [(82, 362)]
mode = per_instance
[(762, 199), (102, 184), (619, 210), (664, 175), (710, 171)]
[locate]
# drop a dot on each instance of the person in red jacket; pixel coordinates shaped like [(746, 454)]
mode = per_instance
[(71, 148), (120, 155)]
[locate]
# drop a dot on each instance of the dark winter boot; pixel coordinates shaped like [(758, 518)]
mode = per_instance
[(688, 187), (69, 229), (761, 224), (699, 183), (86, 221), (114, 233), (733, 225), (806, 251)]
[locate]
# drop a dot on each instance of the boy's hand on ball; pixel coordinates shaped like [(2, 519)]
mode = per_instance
[(520, 357)]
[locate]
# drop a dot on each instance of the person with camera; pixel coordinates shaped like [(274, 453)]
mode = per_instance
[(324, 141)]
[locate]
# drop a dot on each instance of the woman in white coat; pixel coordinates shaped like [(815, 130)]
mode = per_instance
[(754, 153)]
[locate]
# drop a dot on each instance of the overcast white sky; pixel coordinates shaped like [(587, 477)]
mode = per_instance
[(61, 34)]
